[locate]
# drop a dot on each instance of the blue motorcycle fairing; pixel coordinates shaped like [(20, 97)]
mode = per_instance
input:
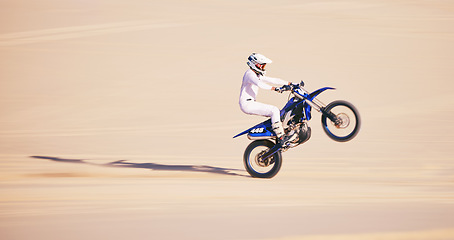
[(317, 92), (264, 128), (307, 111), (314, 94), (291, 104), (265, 125)]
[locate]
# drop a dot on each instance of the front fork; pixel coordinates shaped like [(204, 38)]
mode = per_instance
[(321, 107), (331, 116)]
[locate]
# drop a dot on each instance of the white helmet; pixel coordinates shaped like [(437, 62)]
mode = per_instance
[(257, 63)]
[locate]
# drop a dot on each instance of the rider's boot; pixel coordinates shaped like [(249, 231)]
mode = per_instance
[(282, 139)]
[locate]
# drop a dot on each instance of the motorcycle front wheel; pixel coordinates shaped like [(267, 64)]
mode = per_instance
[(347, 123), (255, 165)]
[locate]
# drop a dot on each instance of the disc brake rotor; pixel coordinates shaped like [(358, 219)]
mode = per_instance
[(342, 121)]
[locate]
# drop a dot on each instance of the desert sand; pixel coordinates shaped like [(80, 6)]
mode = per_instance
[(117, 117)]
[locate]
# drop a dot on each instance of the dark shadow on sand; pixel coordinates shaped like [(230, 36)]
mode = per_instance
[(151, 166)]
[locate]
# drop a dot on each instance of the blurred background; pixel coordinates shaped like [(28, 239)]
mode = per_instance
[(154, 85)]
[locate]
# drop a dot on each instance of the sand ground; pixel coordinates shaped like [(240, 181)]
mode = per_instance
[(117, 117)]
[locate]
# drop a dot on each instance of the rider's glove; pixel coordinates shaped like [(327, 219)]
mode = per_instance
[(278, 89), (283, 88), (287, 87)]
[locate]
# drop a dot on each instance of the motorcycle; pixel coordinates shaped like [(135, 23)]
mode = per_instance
[(340, 121)]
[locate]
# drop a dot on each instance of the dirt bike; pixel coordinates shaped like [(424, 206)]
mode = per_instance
[(340, 121)]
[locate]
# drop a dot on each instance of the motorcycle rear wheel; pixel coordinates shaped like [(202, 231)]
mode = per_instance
[(257, 167), (349, 121)]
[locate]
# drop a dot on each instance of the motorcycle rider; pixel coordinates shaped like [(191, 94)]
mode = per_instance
[(253, 79)]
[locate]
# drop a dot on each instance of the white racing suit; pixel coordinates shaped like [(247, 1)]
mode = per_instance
[(249, 90)]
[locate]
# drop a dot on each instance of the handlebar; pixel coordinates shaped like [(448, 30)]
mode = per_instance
[(302, 94), (294, 86)]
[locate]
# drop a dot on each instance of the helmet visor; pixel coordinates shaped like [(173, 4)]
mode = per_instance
[(261, 66)]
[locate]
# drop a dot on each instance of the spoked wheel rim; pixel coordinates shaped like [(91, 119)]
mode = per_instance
[(345, 121), (346, 124), (255, 165), (258, 164), (342, 122)]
